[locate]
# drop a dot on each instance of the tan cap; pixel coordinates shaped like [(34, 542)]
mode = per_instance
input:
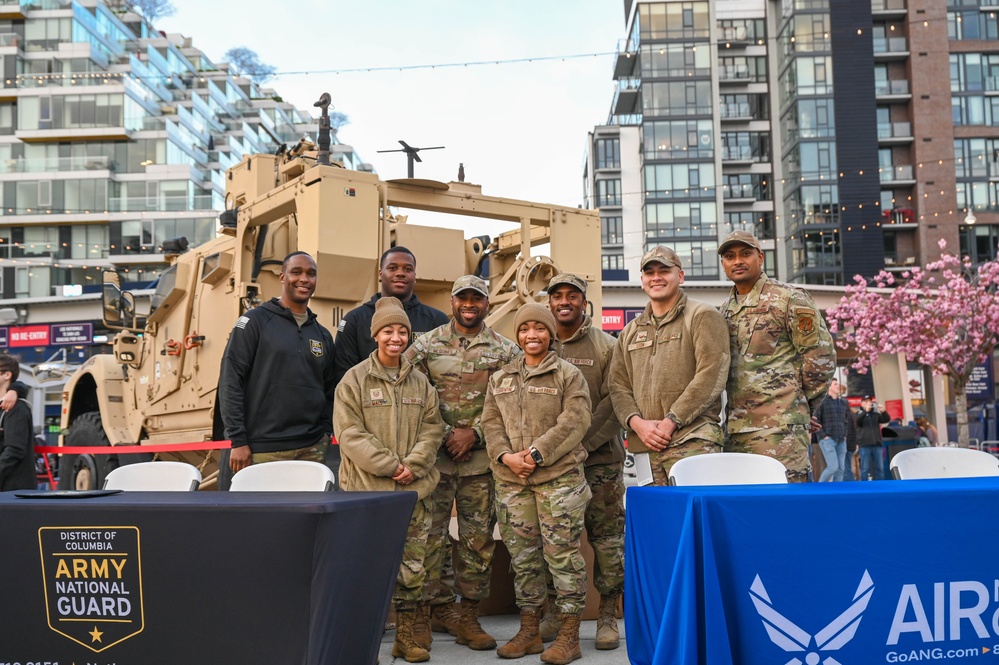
[(739, 238), (389, 310), (534, 311), (663, 255), (470, 282), (567, 278)]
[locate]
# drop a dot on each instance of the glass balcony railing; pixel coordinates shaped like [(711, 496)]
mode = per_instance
[(887, 45), (895, 130), (50, 164), (899, 87), (736, 110), (887, 6), (161, 203), (896, 173)]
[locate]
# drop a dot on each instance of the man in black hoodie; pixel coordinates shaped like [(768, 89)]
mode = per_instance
[(276, 387), (354, 343)]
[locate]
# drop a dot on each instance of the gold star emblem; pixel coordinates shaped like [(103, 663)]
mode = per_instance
[(96, 635)]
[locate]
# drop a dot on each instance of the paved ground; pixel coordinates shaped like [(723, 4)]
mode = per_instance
[(503, 628)]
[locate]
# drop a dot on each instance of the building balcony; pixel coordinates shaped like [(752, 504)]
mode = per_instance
[(891, 48), (888, 8), (161, 203), (626, 60), (73, 134), (627, 97), (895, 132), (734, 74), (743, 155), (56, 164), (739, 112), (895, 90), (992, 85), (897, 175), (11, 11)]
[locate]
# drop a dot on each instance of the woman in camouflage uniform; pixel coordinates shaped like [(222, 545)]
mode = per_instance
[(536, 413), (389, 429)]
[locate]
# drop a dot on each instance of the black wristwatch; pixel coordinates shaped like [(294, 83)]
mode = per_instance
[(536, 456)]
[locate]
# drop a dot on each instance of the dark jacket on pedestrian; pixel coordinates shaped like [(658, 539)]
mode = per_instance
[(869, 427), (276, 387), (834, 416), (17, 449), (354, 342)]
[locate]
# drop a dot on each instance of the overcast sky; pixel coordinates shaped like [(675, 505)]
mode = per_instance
[(520, 129)]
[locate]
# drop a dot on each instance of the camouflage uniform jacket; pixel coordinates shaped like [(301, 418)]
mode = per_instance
[(547, 407), (783, 357), (460, 377), (676, 367), (590, 350), (381, 422)]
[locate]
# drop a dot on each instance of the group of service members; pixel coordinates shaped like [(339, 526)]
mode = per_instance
[(525, 435)]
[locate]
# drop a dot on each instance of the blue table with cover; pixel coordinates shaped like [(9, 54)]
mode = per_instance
[(831, 573)]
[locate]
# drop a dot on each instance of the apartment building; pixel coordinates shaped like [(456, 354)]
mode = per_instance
[(825, 126), (113, 138)]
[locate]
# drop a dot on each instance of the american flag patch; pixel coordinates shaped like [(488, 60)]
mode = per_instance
[(241, 322)]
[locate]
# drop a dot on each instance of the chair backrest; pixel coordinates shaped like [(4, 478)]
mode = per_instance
[(284, 476), (728, 469), (154, 477), (944, 462)]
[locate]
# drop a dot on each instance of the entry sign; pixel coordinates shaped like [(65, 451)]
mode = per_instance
[(93, 583), (981, 384), (72, 333)]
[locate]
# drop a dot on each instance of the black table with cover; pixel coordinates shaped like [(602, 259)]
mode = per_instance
[(199, 577)]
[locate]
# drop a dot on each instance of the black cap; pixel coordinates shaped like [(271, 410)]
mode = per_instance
[(867, 398)]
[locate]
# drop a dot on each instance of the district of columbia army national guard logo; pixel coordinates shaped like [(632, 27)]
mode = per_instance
[(833, 637), (316, 347), (92, 578)]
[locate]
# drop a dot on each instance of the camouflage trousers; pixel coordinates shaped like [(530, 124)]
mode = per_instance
[(541, 526), (605, 526), (663, 460), (314, 453), (789, 446), (473, 498), (412, 571)]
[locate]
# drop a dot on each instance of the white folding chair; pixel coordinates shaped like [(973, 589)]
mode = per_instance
[(284, 476), (727, 469), (154, 477), (943, 462)]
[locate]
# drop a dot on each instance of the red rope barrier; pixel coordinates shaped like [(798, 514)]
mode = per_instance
[(131, 450)]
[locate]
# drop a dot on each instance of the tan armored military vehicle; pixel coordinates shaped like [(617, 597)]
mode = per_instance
[(160, 385)]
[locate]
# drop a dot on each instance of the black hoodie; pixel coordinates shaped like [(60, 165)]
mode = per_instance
[(276, 385), (353, 337)]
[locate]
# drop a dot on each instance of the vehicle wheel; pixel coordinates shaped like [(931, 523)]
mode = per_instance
[(86, 472)]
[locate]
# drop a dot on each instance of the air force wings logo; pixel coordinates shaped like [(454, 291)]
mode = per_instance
[(833, 637)]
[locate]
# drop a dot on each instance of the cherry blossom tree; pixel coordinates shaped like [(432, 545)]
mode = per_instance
[(945, 316)]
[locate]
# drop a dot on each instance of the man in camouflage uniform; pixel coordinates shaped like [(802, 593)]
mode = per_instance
[(590, 349), (783, 359), (459, 358)]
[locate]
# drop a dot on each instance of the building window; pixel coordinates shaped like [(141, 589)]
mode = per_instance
[(979, 242), (608, 193), (759, 223), (680, 181), (665, 221), (612, 261), (746, 186), (608, 153), (675, 61), (698, 257), (673, 20), (754, 107), (750, 69), (677, 98), (611, 231), (683, 139), (746, 146)]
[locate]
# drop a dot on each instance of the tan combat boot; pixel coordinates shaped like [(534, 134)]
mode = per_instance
[(565, 648), (444, 618), (527, 640), (607, 635), (549, 626), (421, 627), (405, 646), (470, 632)]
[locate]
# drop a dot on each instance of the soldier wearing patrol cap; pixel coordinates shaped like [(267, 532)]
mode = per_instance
[(669, 370), (783, 359), (459, 357), (590, 349)]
